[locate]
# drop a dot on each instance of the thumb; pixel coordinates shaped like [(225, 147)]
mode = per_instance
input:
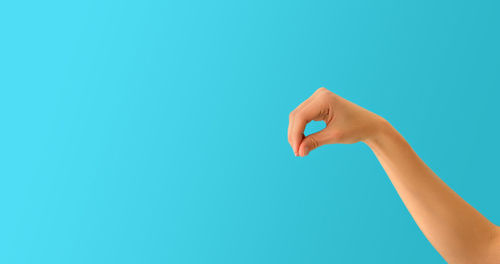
[(313, 141)]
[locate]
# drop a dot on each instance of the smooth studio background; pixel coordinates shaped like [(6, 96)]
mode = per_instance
[(155, 131)]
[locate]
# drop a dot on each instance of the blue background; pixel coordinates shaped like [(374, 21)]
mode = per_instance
[(155, 131)]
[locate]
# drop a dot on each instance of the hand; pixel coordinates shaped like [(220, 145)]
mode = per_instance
[(346, 122)]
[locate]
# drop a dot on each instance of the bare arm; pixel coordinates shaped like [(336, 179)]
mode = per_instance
[(457, 231)]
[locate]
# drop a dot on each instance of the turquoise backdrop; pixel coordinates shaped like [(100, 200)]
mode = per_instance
[(155, 131)]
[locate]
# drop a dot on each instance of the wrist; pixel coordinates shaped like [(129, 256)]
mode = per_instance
[(381, 130)]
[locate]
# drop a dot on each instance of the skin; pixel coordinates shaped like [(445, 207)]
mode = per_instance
[(455, 229)]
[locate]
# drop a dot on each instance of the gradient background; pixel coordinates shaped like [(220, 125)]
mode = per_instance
[(155, 131)]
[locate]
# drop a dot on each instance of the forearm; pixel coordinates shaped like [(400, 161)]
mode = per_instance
[(457, 231)]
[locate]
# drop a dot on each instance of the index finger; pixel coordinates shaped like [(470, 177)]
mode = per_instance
[(298, 120)]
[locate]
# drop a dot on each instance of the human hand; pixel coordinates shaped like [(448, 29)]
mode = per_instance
[(346, 122)]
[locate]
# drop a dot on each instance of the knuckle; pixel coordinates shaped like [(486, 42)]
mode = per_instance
[(299, 116), (324, 93), (321, 89), (314, 142)]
